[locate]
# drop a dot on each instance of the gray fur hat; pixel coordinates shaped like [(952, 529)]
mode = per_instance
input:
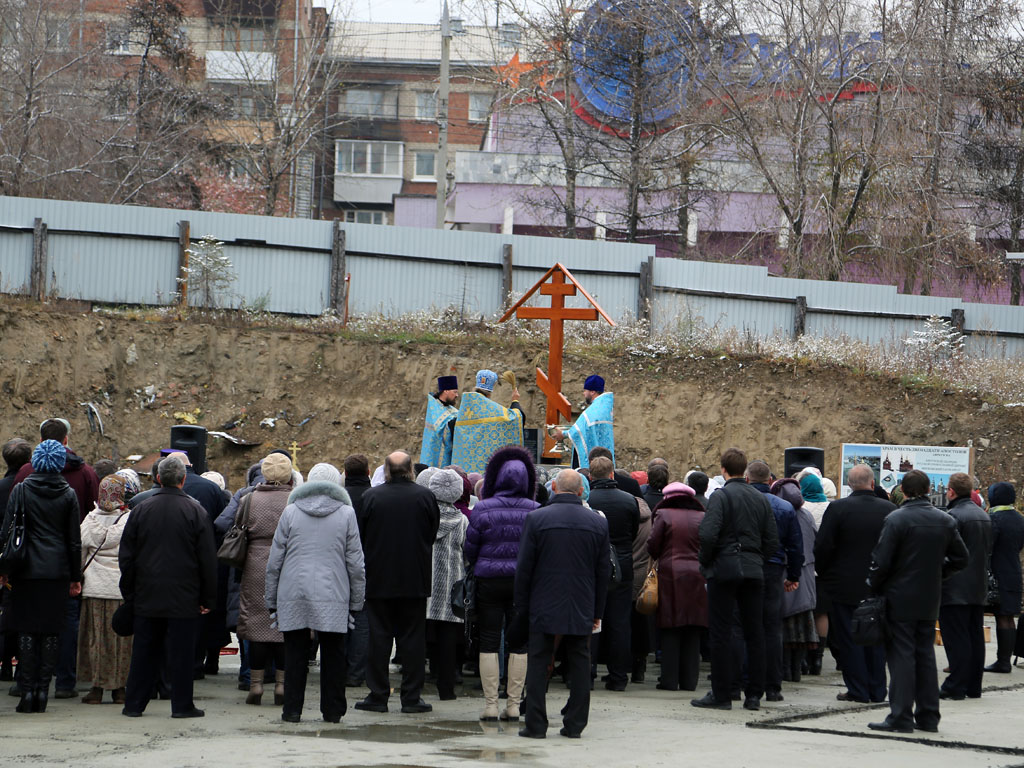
[(446, 485)]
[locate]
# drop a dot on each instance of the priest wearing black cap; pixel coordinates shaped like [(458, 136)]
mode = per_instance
[(594, 426), (439, 427)]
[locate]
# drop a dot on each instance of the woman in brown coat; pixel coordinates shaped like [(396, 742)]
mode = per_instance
[(682, 591), (266, 643)]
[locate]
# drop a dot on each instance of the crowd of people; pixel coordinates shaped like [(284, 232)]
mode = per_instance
[(518, 574)]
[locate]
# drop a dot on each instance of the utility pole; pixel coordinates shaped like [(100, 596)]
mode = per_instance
[(444, 86)]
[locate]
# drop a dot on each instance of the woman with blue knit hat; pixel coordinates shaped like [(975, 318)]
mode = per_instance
[(50, 571), (594, 426), (1007, 542)]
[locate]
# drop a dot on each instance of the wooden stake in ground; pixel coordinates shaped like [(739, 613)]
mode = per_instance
[(562, 284)]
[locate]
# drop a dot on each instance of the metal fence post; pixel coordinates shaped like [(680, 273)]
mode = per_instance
[(646, 297)]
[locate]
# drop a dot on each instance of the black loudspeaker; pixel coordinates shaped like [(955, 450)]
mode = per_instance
[(804, 456), (191, 440)]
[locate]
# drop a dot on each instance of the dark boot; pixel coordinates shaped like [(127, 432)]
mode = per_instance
[(639, 668), (1004, 649), (814, 659), (47, 665), (28, 671), (797, 663)]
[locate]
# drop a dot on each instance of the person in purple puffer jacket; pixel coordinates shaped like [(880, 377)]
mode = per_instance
[(492, 547)]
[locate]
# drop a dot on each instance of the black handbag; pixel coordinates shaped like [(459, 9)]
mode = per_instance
[(123, 620), (235, 546), (463, 596), (868, 625), (992, 596), (15, 547)]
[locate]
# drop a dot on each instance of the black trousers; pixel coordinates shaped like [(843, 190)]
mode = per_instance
[(403, 621), (680, 657), (772, 620), (616, 632), (157, 640), (443, 651), (724, 600), (963, 635), (262, 655), (577, 659), (910, 653), (863, 665), (494, 609), (297, 644)]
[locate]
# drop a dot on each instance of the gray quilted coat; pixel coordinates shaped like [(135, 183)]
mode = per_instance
[(315, 570)]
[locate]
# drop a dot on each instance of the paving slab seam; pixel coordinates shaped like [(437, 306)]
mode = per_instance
[(962, 745)]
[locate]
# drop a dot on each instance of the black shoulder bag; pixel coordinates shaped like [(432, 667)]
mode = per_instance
[(728, 565), (15, 547)]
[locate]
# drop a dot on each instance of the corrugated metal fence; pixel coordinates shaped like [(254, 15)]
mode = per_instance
[(132, 255)]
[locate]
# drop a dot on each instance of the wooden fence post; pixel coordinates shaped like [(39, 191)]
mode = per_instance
[(800, 319), (339, 285), (959, 319), (646, 298), (37, 275), (506, 275), (184, 244)]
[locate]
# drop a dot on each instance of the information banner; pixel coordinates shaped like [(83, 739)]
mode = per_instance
[(891, 462)]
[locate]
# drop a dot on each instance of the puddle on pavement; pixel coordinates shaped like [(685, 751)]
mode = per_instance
[(488, 754), (388, 734)]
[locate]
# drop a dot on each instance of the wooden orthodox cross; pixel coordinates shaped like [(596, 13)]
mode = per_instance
[(562, 284)]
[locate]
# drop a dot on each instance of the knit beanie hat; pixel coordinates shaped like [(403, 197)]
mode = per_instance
[(423, 478), (277, 469), (446, 485), (324, 473), (999, 494), (49, 456)]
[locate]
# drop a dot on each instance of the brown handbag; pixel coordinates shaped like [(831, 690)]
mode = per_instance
[(647, 600)]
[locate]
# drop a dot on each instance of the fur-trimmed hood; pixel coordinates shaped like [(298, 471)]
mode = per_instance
[(319, 499), (503, 479)]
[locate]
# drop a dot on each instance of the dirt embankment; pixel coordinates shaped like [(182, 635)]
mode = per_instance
[(334, 396)]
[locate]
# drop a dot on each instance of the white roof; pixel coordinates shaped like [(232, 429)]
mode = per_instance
[(414, 43)]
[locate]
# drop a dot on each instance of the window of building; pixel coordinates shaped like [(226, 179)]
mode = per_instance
[(424, 165), (242, 100), (380, 103), (426, 105), (369, 158), (365, 217), (245, 35), (118, 40), (479, 107), (510, 35), (58, 34)]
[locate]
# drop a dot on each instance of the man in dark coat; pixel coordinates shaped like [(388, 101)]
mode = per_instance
[(562, 576), (842, 553), (357, 482), (400, 523), (738, 517), (781, 574), (918, 547), (623, 515), (83, 481), (962, 613), (169, 575)]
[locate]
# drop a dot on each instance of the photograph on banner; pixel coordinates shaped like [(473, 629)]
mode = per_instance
[(891, 462)]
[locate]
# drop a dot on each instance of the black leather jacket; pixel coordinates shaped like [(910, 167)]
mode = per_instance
[(919, 546), (970, 586), (52, 535)]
